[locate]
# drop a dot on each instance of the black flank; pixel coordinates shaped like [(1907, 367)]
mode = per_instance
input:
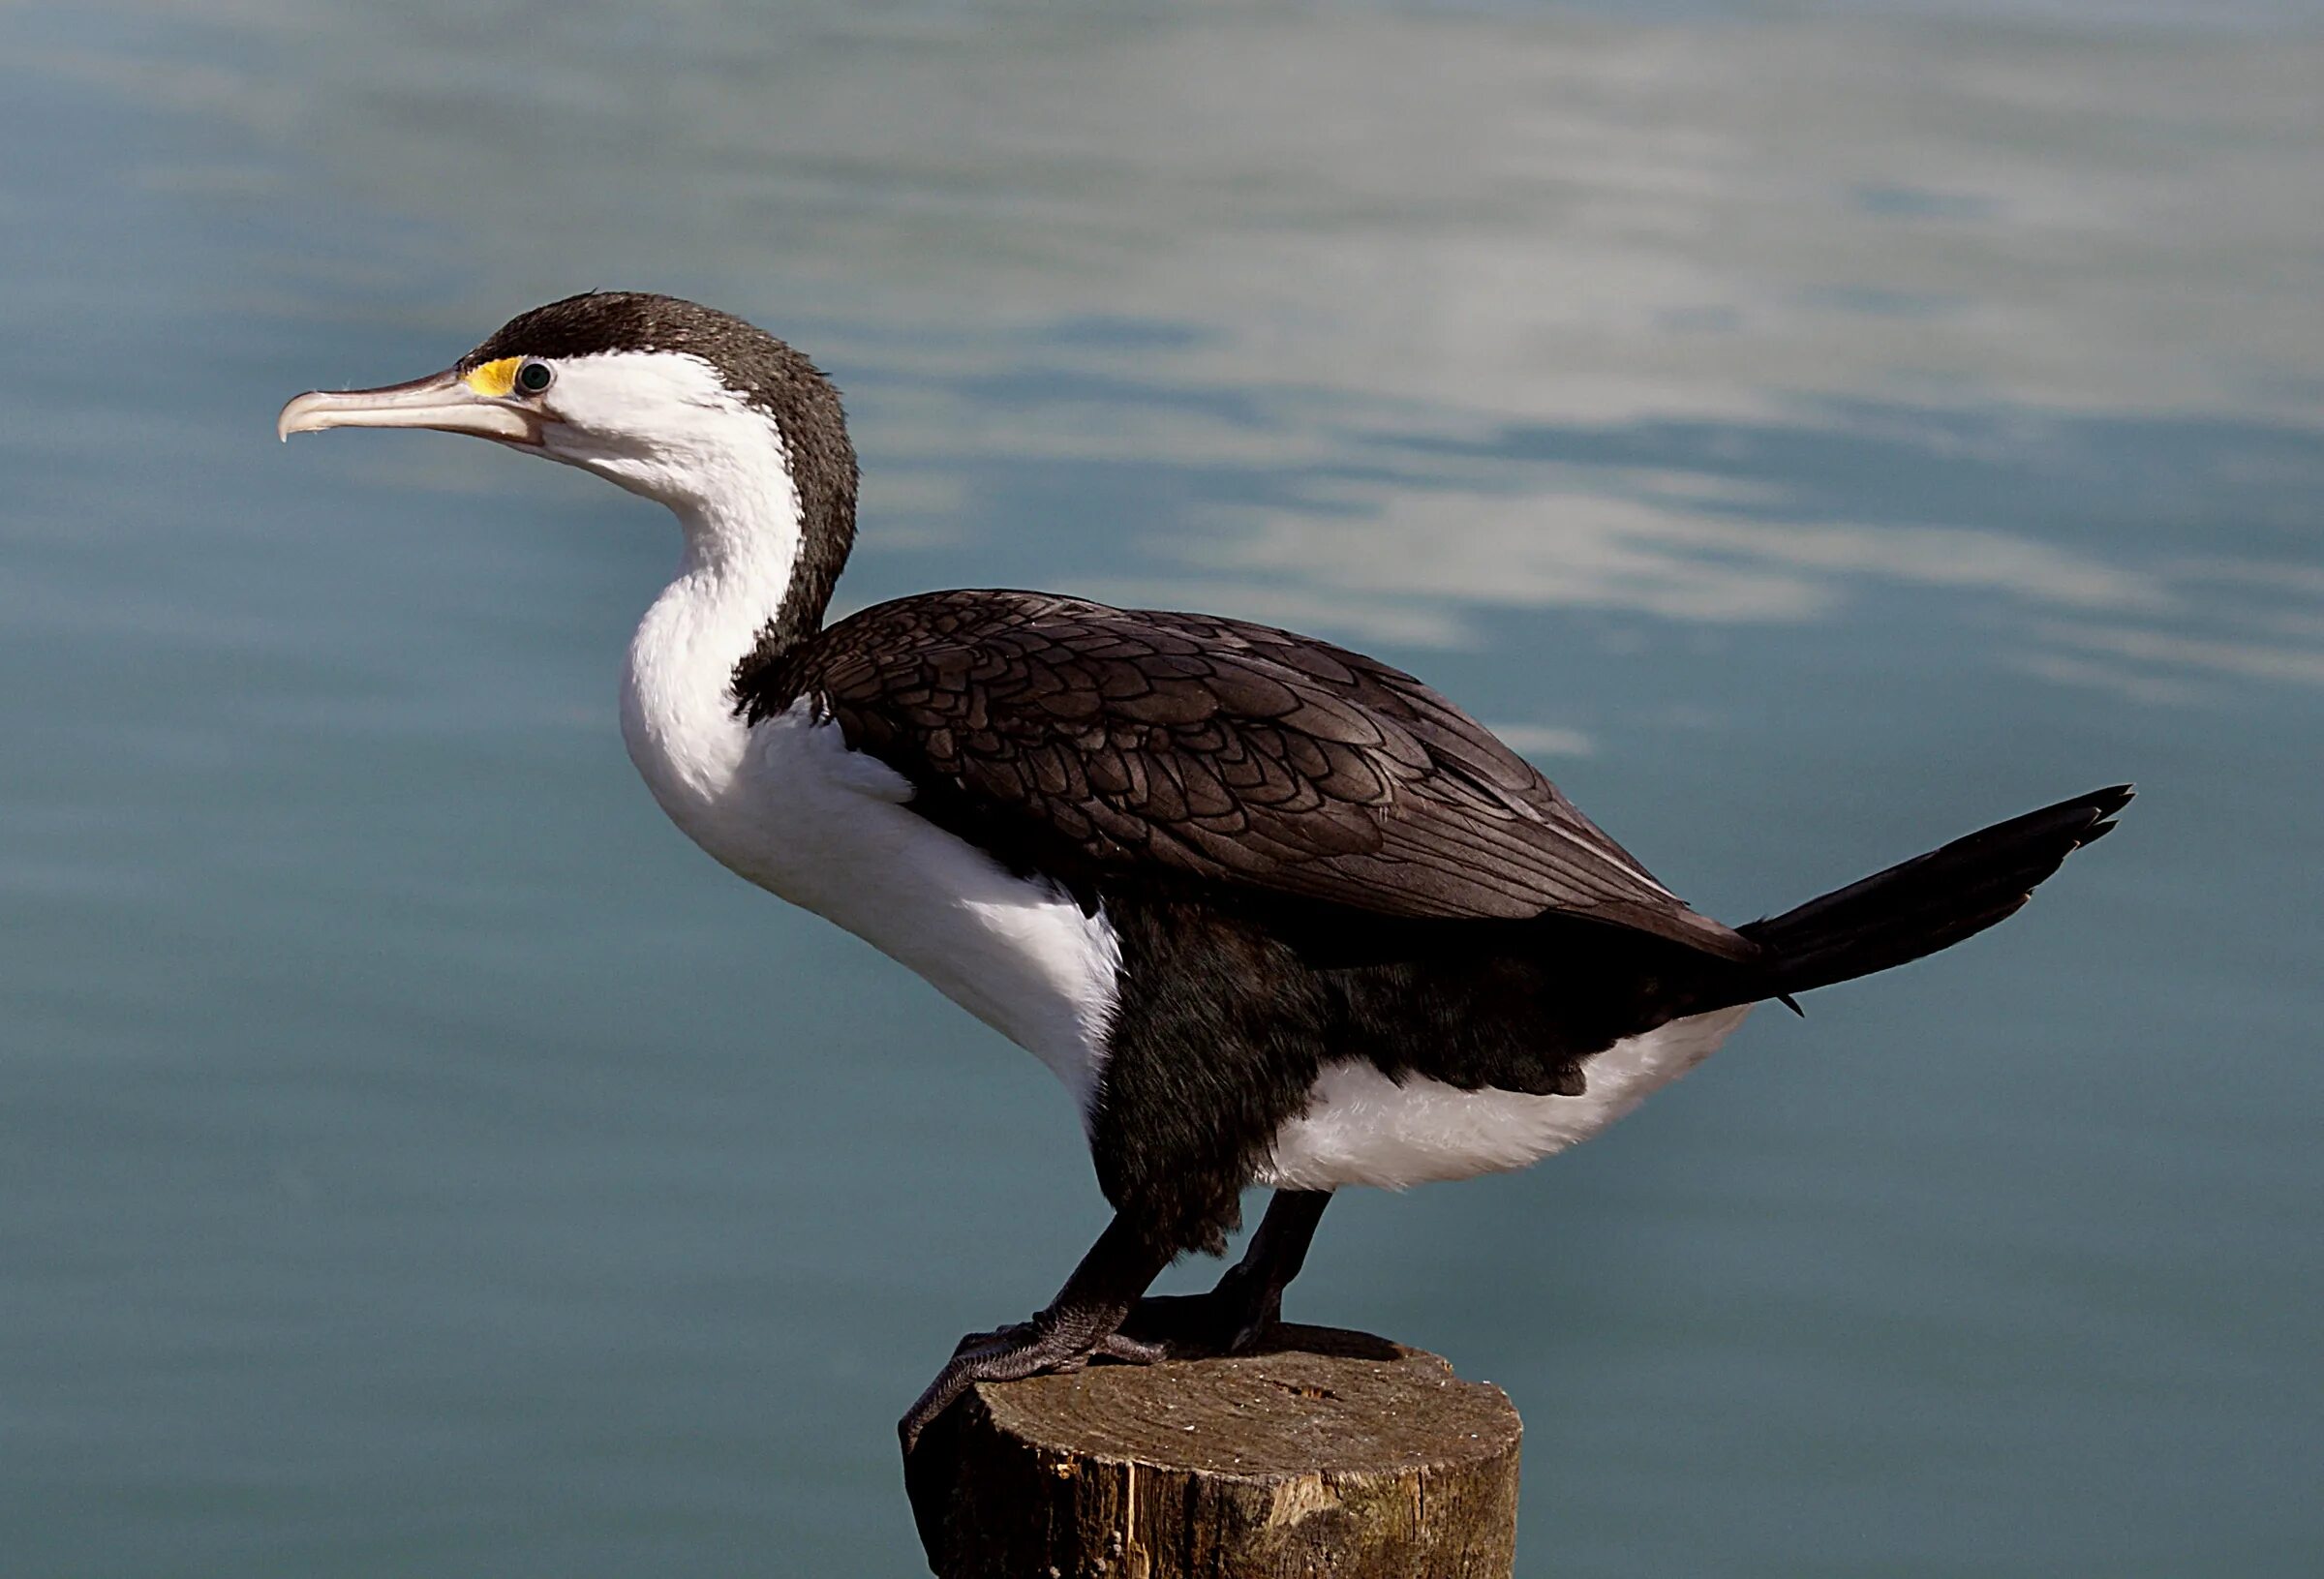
[(1228, 1013)]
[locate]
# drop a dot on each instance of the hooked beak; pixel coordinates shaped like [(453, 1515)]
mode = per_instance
[(443, 400)]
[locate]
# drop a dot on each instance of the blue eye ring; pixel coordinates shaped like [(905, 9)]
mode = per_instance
[(531, 377)]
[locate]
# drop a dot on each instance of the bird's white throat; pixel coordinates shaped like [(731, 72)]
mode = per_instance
[(725, 475)]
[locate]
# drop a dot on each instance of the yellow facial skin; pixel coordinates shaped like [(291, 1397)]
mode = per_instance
[(498, 378)]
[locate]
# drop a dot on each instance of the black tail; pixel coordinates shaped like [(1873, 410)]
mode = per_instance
[(1930, 903)]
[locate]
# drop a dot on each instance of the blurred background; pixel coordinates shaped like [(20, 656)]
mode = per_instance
[(1810, 430)]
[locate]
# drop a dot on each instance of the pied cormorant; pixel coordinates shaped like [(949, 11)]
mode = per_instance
[(1274, 912)]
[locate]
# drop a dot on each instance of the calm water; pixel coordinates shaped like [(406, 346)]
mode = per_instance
[(1813, 430)]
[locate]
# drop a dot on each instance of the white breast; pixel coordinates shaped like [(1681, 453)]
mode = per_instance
[(828, 828), (1362, 1127), (786, 804)]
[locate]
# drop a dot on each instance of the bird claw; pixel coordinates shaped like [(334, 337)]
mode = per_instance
[(997, 1338), (1129, 1350), (1012, 1352), (1084, 1323)]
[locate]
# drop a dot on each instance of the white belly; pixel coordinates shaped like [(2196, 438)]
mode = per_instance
[(1362, 1127)]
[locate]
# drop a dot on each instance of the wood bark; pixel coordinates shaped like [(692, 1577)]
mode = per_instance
[(1329, 1455)]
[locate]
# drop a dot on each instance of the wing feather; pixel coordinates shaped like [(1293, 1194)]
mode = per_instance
[(1107, 743)]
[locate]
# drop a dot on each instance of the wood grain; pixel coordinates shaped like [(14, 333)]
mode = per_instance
[(1332, 1453)]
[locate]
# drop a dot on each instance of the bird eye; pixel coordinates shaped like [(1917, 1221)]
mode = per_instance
[(535, 377)]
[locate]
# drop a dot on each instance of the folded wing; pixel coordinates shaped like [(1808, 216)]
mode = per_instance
[(1098, 744)]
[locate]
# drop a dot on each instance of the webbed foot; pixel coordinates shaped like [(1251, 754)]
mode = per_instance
[(1083, 1323)]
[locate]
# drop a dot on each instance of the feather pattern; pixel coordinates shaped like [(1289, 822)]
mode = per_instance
[(1095, 743)]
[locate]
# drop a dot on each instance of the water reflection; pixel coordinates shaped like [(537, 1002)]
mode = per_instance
[(1990, 310)]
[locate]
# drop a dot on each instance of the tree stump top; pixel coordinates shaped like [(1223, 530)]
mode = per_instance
[(1317, 1401), (1329, 1452)]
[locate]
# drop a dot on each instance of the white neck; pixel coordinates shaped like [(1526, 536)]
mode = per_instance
[(743, 535)]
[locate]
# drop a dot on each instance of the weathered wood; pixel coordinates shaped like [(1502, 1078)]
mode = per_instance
[(1330, 1455)]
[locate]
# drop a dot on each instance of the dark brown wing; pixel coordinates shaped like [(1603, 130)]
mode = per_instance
[(1115, 742)]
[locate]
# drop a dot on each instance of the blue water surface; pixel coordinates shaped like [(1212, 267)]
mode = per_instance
[(1811, 430)]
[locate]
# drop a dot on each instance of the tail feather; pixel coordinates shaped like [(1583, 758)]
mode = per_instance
[(1928, 902)]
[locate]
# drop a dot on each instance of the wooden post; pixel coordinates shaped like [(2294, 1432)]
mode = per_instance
[(1331, 1455)]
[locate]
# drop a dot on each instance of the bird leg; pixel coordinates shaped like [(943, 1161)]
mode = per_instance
[(1083, 1323), (1248, 1297)]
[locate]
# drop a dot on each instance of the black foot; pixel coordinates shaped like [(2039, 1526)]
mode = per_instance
[(1236, 1316), (1083, 1323), (1034, 1347)]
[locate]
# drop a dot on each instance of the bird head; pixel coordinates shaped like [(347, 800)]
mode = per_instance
[(718, 419)]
